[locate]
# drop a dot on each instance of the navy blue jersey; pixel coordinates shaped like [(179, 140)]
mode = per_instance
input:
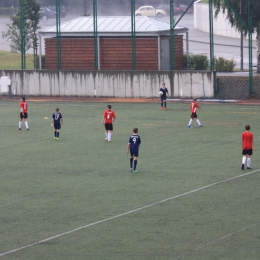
[(56, 120), (56, 117), (164, 91), (134, 141)]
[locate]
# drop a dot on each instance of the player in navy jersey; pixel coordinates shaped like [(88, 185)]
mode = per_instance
[(56, 121), (164, 96), (133, 147)]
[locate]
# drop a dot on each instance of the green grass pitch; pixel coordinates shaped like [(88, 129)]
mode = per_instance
[(76, 198)]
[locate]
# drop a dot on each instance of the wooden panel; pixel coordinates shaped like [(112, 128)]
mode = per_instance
[(115, 53), (76, 53)]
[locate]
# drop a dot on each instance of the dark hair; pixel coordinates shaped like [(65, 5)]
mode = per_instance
[(163, 83), (109, 106), (135, 130), (57, 109), (23, 98), (247, 127), (194, 99)]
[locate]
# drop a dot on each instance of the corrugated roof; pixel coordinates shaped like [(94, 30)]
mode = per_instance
[(111, 25)]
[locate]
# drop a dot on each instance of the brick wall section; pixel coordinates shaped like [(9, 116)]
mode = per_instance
[(115, 53), (75, 54), (237, 87)]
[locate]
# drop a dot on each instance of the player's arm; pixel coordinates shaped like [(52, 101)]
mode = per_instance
[(61, 120), (128, 148), (52, 121)]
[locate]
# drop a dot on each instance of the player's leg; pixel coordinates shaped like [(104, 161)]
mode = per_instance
[(135, 155), (249, 159), (243, 160), (135, 164), (190, 122), (164, 102), (161, 103), (26, 124), (109, 134), (20, 121), (131, 162), (198, 121)]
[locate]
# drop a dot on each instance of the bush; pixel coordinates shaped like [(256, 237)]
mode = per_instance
[(197, 62), (224, 65)]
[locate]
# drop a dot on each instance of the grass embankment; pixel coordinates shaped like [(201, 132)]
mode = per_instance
[(9, 60)]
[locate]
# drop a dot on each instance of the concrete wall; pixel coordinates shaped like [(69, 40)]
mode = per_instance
[(221, 25), (128, 84)]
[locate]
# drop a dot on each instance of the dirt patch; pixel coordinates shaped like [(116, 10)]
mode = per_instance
[(120, 100)]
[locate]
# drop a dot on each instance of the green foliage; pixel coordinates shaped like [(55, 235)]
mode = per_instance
[(224, 65), (31, 25), (196, 62)]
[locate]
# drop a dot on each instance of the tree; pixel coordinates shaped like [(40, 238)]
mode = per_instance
[(31, 25), (241, 8)]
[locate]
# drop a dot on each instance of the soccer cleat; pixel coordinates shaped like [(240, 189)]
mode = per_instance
[(135, 171), (57, 139), (242, 167), (27, 129), (131, 169), (249, 168), (162, 108), (106, 139), (19, 129), (190, 126), (165, 108), (200, 125), (54, 138)]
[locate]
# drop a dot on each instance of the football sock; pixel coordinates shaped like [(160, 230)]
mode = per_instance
[(106, 135), (190, 121), (54, 133), (135, 164), (26, 124), (248, 162), (198, 121), (109, 136), (131, 162), (57, 134), (164, 104), (161, 104), (243, 160), (20, 124)]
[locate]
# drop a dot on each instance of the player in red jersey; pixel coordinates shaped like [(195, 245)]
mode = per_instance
[(109, 117), (247, 147), (23, 114), (193, 108)]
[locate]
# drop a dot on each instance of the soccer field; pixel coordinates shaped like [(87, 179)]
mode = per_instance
[(77, 199)]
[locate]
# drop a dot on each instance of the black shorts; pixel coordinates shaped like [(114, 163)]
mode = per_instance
[(134, 153), (57, 126), (109, 127), (247, 152), (193, 115), (163, 98), (23, 115)]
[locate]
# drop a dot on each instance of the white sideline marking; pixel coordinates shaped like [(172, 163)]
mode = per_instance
[(216, 240), (127, 213)]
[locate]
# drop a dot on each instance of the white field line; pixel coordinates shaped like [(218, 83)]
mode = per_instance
[(127, 213), (216, 240)]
